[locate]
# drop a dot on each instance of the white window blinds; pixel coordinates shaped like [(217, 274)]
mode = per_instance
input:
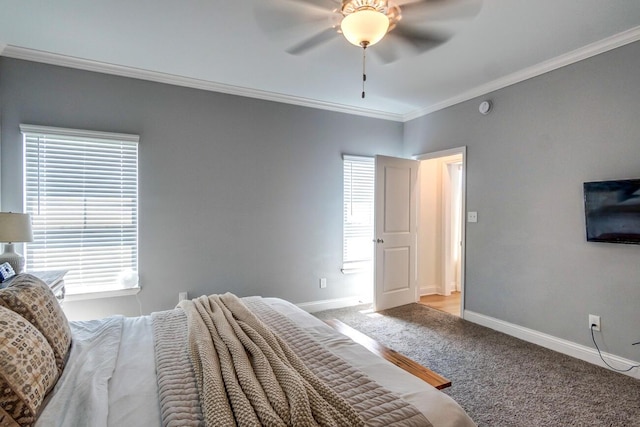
[(358, 212), (81, 189)]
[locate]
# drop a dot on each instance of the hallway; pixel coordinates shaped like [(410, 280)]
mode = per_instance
[(450, 304)]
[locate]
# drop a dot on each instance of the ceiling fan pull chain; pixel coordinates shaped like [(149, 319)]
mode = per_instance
[(364, 70)]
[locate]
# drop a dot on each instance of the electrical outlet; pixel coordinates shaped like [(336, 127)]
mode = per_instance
[(323, 282), (183, 296), (594, 320)]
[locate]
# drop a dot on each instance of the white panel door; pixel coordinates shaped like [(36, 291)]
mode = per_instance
[(395, 232)]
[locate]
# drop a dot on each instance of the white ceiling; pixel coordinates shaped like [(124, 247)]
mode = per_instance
[(219, 45)]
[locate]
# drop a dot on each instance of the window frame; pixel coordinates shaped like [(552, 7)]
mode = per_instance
[(366, 176), (128, 145)]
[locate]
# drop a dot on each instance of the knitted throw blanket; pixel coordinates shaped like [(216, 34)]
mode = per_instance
[(248, 375)]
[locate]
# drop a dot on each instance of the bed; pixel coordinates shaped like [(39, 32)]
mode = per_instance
[(121, 371)]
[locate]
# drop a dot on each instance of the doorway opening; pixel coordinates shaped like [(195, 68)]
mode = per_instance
[(440, 266)]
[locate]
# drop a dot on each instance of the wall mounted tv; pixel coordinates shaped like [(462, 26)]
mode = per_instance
[(612, 210)]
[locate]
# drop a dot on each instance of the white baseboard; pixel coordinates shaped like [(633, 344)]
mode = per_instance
[(569, 348), (428, 290), (330, 304), (451, 287)]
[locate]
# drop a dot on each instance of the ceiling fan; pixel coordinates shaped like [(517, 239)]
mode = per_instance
[(419, 24)]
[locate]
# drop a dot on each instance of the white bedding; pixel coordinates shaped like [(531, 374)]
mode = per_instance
[(80, 396), (133, 390), (124, 375)]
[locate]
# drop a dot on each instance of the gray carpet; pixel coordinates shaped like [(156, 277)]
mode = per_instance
[(500, 380)]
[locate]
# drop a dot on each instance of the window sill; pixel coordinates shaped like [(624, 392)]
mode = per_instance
[(357, 267), (353, 270), (103, 293)]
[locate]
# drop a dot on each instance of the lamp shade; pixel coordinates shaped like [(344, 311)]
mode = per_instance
[(366, 27), (15, 227)]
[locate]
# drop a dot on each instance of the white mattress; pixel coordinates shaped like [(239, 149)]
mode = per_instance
[(129, 370)]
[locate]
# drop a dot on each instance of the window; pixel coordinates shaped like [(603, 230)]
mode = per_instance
[(81, 189), (358, 213)]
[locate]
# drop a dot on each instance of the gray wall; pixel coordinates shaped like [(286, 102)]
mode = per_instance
[(246, 195), (236, 194), (527, 259)]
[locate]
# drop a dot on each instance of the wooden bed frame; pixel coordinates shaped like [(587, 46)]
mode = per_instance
[(411, 366)]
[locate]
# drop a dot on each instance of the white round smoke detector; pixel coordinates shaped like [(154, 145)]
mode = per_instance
[(485, 107)]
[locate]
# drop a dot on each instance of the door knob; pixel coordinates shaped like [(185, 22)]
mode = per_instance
[(379, 241)]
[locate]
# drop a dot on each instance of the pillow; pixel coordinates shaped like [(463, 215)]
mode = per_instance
[(27, 369), (32, 299)]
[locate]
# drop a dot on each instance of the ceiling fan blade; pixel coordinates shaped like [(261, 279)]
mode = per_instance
[(280, 17), (421, 39), (313, 41), (325, 4), (385, 50), (440, 10)]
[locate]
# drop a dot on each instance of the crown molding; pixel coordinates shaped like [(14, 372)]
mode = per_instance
[(593, 49), (609, 43), (172, 79)]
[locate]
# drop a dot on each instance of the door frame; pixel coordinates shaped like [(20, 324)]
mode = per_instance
[(463, 237)]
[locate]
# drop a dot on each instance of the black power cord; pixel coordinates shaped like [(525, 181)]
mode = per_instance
[(605, 362)]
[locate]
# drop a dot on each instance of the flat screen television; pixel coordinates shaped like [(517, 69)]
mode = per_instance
[(612, 211)]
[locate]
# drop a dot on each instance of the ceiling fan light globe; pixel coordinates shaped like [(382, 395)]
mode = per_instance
[(365, 26)]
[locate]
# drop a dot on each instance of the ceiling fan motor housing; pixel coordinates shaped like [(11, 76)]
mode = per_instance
[(389, 9), (350, 6)]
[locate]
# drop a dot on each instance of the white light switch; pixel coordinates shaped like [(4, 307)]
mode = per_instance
[(472, 216)]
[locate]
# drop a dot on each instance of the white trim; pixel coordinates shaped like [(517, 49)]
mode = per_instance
[(78, 133), (172, 79), (330, 304), (442, 153), (102, 294), (428, 290), (593, 49), (569, 348), (2, 47), (354, 270)]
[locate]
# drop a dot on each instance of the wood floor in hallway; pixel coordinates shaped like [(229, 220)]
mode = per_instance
[(450, 304)]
